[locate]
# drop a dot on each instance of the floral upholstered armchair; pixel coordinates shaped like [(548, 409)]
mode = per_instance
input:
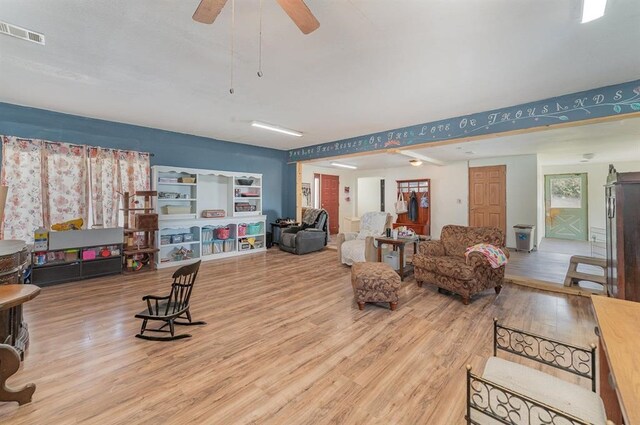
[(443, 263), (360, 247)]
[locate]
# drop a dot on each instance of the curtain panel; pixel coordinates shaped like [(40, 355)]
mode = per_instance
[(51, 182), (114, 172)]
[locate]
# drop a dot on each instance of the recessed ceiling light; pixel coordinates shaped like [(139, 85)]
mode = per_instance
[(592, 10), (276, 128), (588, 156), (415, 162), (469, 152), (338, 164)]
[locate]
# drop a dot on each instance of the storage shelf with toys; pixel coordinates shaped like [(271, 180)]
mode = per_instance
[(67, 256), (207, 214), (140, 250)]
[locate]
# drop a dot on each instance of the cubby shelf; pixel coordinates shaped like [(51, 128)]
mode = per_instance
[(212, 190)]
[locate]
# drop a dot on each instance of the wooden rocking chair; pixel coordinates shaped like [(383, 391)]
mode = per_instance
[(170, 308)]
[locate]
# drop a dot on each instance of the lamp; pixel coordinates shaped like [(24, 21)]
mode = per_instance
[(415, 162)]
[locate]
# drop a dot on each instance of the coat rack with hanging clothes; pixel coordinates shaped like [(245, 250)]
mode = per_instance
[(417, 196)]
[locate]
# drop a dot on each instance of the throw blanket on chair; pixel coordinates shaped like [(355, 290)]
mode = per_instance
[(492, 253), (310, 216)]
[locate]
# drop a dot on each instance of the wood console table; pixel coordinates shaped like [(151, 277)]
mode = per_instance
[(12, 297), (619, 354)]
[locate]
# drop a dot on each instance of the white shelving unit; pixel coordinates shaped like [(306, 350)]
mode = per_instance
[(188, 192)]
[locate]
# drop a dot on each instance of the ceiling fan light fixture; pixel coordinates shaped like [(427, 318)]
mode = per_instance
[(276, 128), (415, 162), (341, 165), (592, 10)]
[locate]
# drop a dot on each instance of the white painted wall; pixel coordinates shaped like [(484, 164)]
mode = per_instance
[(367, 194), (596, 179), (522, 189), (541, 208), (347, 178), (449, 192)]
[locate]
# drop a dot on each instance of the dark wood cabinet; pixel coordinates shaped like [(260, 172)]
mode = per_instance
[(622, 194)]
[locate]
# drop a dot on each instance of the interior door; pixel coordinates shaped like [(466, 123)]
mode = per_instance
[(330, 200), (566, 206), (488, 196)]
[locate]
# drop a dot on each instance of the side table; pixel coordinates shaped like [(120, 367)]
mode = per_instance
[(280, 226), (399, 245)]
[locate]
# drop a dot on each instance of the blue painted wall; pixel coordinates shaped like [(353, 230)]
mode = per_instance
[(169, 148)]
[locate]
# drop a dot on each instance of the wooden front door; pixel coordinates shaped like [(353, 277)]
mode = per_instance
[(330, 200), (565, 199), (488, 197)]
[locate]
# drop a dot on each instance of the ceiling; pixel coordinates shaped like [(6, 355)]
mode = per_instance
[(372, 65), (613, 141)]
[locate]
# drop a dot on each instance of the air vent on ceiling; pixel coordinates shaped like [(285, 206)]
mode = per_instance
[(22, 33)]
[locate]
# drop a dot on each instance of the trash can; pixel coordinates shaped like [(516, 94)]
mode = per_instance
[(393, 259), (525, 237)]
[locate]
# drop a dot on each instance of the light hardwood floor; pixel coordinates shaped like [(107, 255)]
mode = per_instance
[(284, 344)]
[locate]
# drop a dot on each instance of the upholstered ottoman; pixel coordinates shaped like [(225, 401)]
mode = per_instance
[(375, 282)]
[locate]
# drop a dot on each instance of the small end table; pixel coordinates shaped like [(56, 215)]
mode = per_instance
[(398, 245), (280, 226)]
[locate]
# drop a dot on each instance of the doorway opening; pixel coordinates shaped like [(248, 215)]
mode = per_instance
[(370, 195)]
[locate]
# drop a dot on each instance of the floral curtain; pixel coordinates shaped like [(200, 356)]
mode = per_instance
[(64, 183), (21, 172), (54, 182), (114, 172)]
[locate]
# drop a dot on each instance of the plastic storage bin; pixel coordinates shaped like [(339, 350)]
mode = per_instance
[(525, 237), (165, 239), (176, 238), (187, 237), (253, 229), (228, 246)]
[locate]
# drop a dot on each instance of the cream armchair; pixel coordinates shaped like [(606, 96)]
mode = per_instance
[(360, 247)]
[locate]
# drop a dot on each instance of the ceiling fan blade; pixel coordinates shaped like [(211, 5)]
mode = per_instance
[(300, 15), (208, 11)]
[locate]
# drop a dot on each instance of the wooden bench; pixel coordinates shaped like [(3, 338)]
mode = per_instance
[(574, 276)]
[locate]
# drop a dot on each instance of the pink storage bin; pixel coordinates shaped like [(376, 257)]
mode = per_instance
[(242, 229), (88, 255)]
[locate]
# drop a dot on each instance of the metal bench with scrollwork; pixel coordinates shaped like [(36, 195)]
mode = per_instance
[(512, 393)]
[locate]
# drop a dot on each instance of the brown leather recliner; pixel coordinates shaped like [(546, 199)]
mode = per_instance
[(442, 262)]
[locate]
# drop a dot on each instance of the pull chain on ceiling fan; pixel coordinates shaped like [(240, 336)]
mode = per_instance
[(233, 28), (208, 11), (260, 45)]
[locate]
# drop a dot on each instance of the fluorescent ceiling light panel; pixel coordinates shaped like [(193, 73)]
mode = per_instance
[(592, 10), (337, 164), (421, 157), (275, 128)]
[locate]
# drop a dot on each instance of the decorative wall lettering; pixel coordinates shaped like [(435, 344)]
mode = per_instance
[(597, 103)]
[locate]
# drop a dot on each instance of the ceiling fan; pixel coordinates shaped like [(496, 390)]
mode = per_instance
[(297, 10)]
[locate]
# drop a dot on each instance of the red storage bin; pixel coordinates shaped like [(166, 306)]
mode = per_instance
[(222, 233)]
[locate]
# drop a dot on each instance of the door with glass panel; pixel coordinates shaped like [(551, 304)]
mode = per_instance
[(566, 206)]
